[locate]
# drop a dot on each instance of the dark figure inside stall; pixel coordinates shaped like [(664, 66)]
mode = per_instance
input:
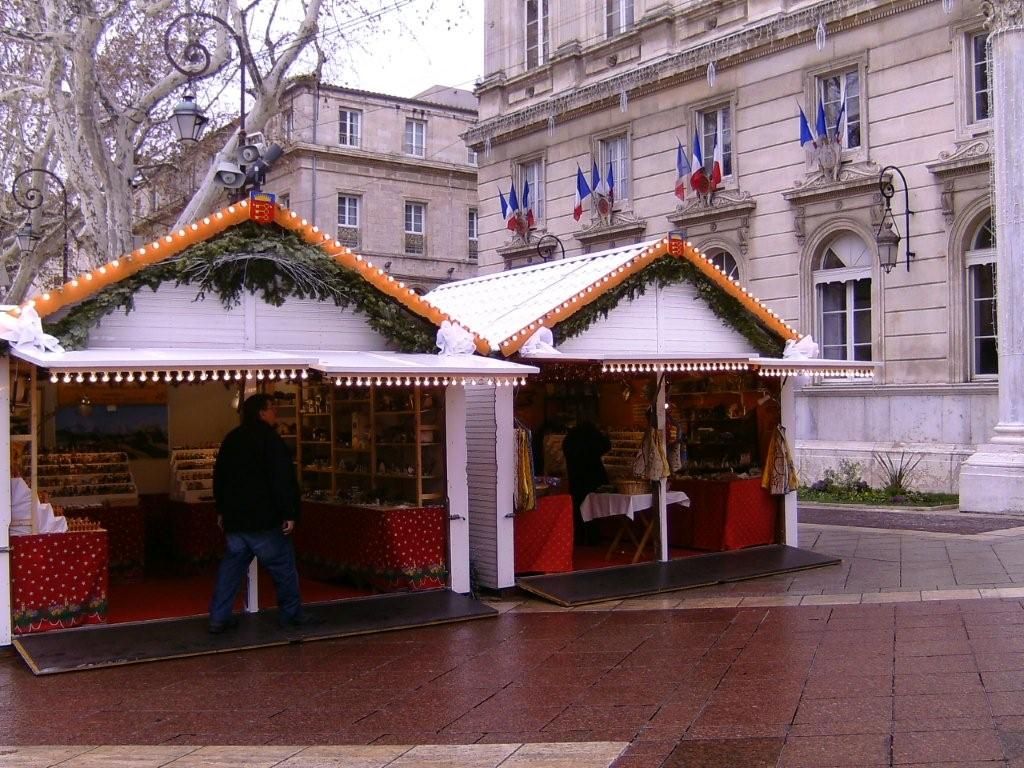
[(583, 447)]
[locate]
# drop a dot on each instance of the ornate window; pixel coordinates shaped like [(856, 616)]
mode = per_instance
[(978, 82), (981, 302), (415, 141), (350, 124), (614, 151), (724, 260), (618, 17), (532, 171), (473, 221), (537, 36), (715, 127), (832, 91), (842, 288), (348, 220), (415, 228)]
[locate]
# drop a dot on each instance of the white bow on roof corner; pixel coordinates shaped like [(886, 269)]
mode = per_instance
[(804, 348), (25, 329), (541, 342), (453, 339)]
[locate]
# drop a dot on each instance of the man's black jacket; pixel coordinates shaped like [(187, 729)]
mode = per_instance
[(254, 481)]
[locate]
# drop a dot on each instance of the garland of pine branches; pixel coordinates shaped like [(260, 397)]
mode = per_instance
[(668, 271), (276, 264)]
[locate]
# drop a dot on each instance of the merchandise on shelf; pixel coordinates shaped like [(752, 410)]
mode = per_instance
[(192, 474), (79, 478)]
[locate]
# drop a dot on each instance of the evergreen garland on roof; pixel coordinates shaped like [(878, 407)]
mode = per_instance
[(668, 271), (269, 261)]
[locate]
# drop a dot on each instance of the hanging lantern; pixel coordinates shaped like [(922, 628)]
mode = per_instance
[(188, 120)]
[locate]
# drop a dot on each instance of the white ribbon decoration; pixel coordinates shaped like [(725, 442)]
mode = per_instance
[(453, 339), (804, 348), (541, 342), (26, 330)]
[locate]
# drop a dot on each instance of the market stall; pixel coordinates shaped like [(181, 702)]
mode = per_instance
[(687, 375), (378, 434)]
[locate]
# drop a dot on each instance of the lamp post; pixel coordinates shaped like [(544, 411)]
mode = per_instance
[(888, 236), (188, 119), (31, 198), (546, 247)]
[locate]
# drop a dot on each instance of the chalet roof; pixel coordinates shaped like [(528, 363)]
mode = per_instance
[(505, 308), (208, 227)]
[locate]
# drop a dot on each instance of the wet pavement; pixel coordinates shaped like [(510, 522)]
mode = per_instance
[(910, 653)]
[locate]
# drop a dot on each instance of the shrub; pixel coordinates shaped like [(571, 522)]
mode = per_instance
[(845, 478), (897, 471)]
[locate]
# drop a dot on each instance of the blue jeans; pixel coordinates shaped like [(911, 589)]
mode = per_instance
[(273, 550)]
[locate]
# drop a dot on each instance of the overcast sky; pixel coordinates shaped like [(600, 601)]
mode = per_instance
[(417, 52)]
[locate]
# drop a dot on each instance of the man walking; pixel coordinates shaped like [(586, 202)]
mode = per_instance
[(257, 497)]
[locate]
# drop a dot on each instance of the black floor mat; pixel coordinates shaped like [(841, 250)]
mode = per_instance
[(617, 582), (131, 643)]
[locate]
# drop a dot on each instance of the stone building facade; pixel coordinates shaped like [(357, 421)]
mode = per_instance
[(625, 81), (391, 177)]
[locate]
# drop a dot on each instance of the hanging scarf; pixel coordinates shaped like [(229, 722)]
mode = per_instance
[(651, 463), (525, 495), (779, 476)]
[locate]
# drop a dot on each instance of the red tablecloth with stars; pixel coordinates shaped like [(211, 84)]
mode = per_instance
[(387, 548), (58, 580), (544, 536), (126, 535), (723, 515), (195, 536)]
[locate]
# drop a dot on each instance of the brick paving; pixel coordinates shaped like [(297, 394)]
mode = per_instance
[(933, 678)]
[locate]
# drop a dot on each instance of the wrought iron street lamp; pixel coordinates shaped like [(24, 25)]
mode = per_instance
[(546, 247), (254, 156), (29, 197), (888, 236)]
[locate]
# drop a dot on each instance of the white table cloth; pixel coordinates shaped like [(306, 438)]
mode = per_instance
[(598, 505)]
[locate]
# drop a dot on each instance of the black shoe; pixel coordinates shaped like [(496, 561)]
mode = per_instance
[(302, 620), (218, 627)]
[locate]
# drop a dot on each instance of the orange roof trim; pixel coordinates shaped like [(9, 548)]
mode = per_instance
[(671, 246), (174, 242)]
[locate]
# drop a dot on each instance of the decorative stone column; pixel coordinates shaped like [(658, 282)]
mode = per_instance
[(992, 479)]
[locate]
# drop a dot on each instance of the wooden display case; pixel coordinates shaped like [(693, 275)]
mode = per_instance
[(192, 474), (80, 478), (366, 444), (717, 425)]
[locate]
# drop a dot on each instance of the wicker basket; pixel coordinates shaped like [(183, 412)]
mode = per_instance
[(632, 487)]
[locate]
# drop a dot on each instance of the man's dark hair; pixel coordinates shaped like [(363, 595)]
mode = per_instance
[(253, 405)]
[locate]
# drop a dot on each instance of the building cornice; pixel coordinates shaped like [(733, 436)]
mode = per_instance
[(395, 162), (970, 156), (904, 390), (853, 179), (728, 203), (763, 38)]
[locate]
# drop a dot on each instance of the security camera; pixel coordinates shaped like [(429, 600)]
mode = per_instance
[(253, 149), (257, 172), (229, 175)]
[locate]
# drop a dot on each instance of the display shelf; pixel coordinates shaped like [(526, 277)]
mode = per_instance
[(192, 474), (717, 427), (80, 478)]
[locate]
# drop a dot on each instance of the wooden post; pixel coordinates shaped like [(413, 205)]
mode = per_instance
[(505, 466), (458, 488), (790, 534)]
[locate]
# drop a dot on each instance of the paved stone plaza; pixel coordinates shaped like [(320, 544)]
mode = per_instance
[(910, 653)]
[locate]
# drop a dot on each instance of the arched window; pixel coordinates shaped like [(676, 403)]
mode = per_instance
[(724, 260), (842, 287), (980, 260)]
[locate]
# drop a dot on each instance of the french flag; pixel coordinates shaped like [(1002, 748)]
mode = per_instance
[(513, 208), (611, 182), (698, 179), (805, 131), (526, 203), (819, 124), (682, 170), (716, 168), (504, 205), (582, 193), (595, 179), (839, 122)]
